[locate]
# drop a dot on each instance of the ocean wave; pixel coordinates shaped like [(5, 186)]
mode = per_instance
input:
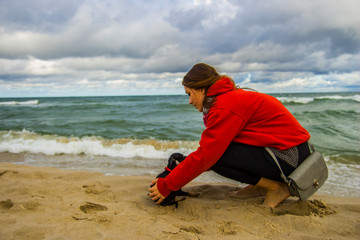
[(30, 102), (306, 100), (26, 141)]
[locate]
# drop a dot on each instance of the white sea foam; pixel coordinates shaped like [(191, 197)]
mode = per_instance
[(25, 141), (305, 100), (302, 100), (30, 102)]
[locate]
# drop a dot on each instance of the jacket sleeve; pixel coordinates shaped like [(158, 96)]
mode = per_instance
[(223, 126)]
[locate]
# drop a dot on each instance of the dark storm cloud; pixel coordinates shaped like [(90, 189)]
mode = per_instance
[(42, 15), (87, 29), (273, 23)]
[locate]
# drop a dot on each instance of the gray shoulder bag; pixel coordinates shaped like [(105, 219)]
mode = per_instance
[(308, 177)]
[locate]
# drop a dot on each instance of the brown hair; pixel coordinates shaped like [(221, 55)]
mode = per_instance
[(202, 76)]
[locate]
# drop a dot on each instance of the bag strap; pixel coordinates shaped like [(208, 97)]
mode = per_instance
[(278, 164), (311, 146)]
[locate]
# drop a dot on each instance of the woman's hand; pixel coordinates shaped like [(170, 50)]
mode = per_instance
[(154, 192)]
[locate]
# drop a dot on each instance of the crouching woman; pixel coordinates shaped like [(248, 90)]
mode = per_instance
[(239, 125)]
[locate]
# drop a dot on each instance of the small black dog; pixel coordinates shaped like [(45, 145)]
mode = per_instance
[(173, 161)]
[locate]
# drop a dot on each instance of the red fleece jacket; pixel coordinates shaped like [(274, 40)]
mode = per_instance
[(236, 116)]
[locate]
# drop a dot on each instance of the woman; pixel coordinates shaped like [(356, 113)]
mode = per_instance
[(239, 125)]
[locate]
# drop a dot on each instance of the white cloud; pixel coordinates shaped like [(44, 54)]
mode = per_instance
[(299, 81), (219, 12)]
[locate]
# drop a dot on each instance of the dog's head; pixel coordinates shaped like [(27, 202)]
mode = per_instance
[(173, 161)]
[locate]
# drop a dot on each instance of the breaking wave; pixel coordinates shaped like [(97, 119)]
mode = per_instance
[(26, 141), (306, 100), (11, 103)]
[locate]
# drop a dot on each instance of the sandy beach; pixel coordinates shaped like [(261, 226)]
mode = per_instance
[(50, 203)]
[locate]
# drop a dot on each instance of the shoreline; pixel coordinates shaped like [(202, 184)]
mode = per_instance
[(115, 166), (51, 203)]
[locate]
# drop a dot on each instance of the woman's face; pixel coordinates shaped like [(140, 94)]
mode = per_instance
[(196, 97)]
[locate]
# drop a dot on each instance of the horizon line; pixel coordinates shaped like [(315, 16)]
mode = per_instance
[(173, 94)]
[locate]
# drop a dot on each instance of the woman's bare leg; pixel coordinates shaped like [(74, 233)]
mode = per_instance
[(276, 191)]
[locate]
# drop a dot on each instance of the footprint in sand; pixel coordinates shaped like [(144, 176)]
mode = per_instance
[(6, 204), (92, 207), (227, 228), (97, 188)]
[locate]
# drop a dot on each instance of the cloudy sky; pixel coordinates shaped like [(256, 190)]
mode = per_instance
[(118, 47)]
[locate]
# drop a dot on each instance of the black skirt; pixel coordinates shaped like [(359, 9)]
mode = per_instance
[(248, 164)]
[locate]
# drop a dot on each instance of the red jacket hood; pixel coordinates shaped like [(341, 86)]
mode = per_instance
[(223, 85)]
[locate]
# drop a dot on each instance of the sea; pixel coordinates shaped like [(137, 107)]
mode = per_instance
[(135, 135)]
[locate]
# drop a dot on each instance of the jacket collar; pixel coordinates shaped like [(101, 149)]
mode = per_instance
[(223, 85)]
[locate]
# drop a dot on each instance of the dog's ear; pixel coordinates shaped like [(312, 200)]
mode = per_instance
[(178, 156), (171, 163), (180, 159), (175, 159)]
